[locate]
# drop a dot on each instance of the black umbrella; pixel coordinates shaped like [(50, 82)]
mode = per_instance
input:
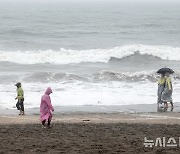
[(164, 70)]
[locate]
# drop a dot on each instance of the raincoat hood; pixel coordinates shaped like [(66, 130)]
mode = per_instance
[(18, 84), (48, 91)]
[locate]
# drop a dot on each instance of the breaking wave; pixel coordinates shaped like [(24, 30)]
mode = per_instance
[(67, 56), (44, 77)]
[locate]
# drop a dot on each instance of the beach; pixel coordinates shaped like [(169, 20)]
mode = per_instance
[(89, 132)]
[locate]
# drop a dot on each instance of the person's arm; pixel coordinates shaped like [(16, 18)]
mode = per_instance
[(48, 101), (169, 84)]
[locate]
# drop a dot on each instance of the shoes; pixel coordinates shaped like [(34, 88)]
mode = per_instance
[(21, 113), (43, 126)]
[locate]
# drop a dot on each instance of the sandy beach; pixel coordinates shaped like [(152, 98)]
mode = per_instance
[(89, 133)]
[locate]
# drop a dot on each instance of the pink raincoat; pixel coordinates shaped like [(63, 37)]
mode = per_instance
[(46, 107)]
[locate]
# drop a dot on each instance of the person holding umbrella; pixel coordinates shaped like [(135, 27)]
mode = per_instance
[(168, 89), (167, 93)]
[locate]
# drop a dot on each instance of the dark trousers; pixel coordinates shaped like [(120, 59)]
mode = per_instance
[(49, 122), (20, 105)]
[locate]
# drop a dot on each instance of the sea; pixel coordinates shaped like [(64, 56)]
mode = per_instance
[(89, 52)]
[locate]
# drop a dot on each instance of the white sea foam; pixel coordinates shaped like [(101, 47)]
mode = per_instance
[(79, 93), (75, 94), (66, 56)]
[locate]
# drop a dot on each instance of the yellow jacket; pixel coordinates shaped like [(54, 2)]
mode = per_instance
[(169, 83), (20, 93), (162, 81)]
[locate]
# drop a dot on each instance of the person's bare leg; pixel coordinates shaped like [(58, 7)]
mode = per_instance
[(43, 124), (49, 123), (22, 107), (20, 113), (172, 106), (165, 104), (157, 107)]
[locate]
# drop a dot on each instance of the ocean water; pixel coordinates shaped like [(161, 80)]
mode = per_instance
[(89, 52)]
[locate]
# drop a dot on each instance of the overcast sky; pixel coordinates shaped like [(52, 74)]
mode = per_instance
[(150, 3), (91, 1)]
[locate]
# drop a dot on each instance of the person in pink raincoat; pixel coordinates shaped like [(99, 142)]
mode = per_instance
[(46, 108)]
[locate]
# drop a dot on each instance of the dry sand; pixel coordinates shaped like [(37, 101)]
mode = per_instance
[(88, 133)]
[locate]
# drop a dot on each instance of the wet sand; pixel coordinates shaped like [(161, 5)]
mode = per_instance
[(136, 108), (88, 133)]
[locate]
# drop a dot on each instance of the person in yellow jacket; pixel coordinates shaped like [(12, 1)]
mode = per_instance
[(20, 98), (161, 86), (167, 93)]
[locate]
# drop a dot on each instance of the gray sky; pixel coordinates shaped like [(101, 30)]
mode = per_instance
[(132, 1)]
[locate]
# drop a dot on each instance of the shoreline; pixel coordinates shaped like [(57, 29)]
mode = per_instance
[(138, 108), (97, 114)]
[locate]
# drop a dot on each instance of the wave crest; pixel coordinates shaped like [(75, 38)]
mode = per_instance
[(105, 76), (67, 56)]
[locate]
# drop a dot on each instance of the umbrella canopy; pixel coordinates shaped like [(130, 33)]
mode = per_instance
[(164, 70)]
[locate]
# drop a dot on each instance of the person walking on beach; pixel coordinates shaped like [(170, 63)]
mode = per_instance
[(167, 93), (161, 86), (46, 108), (20, 98)]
